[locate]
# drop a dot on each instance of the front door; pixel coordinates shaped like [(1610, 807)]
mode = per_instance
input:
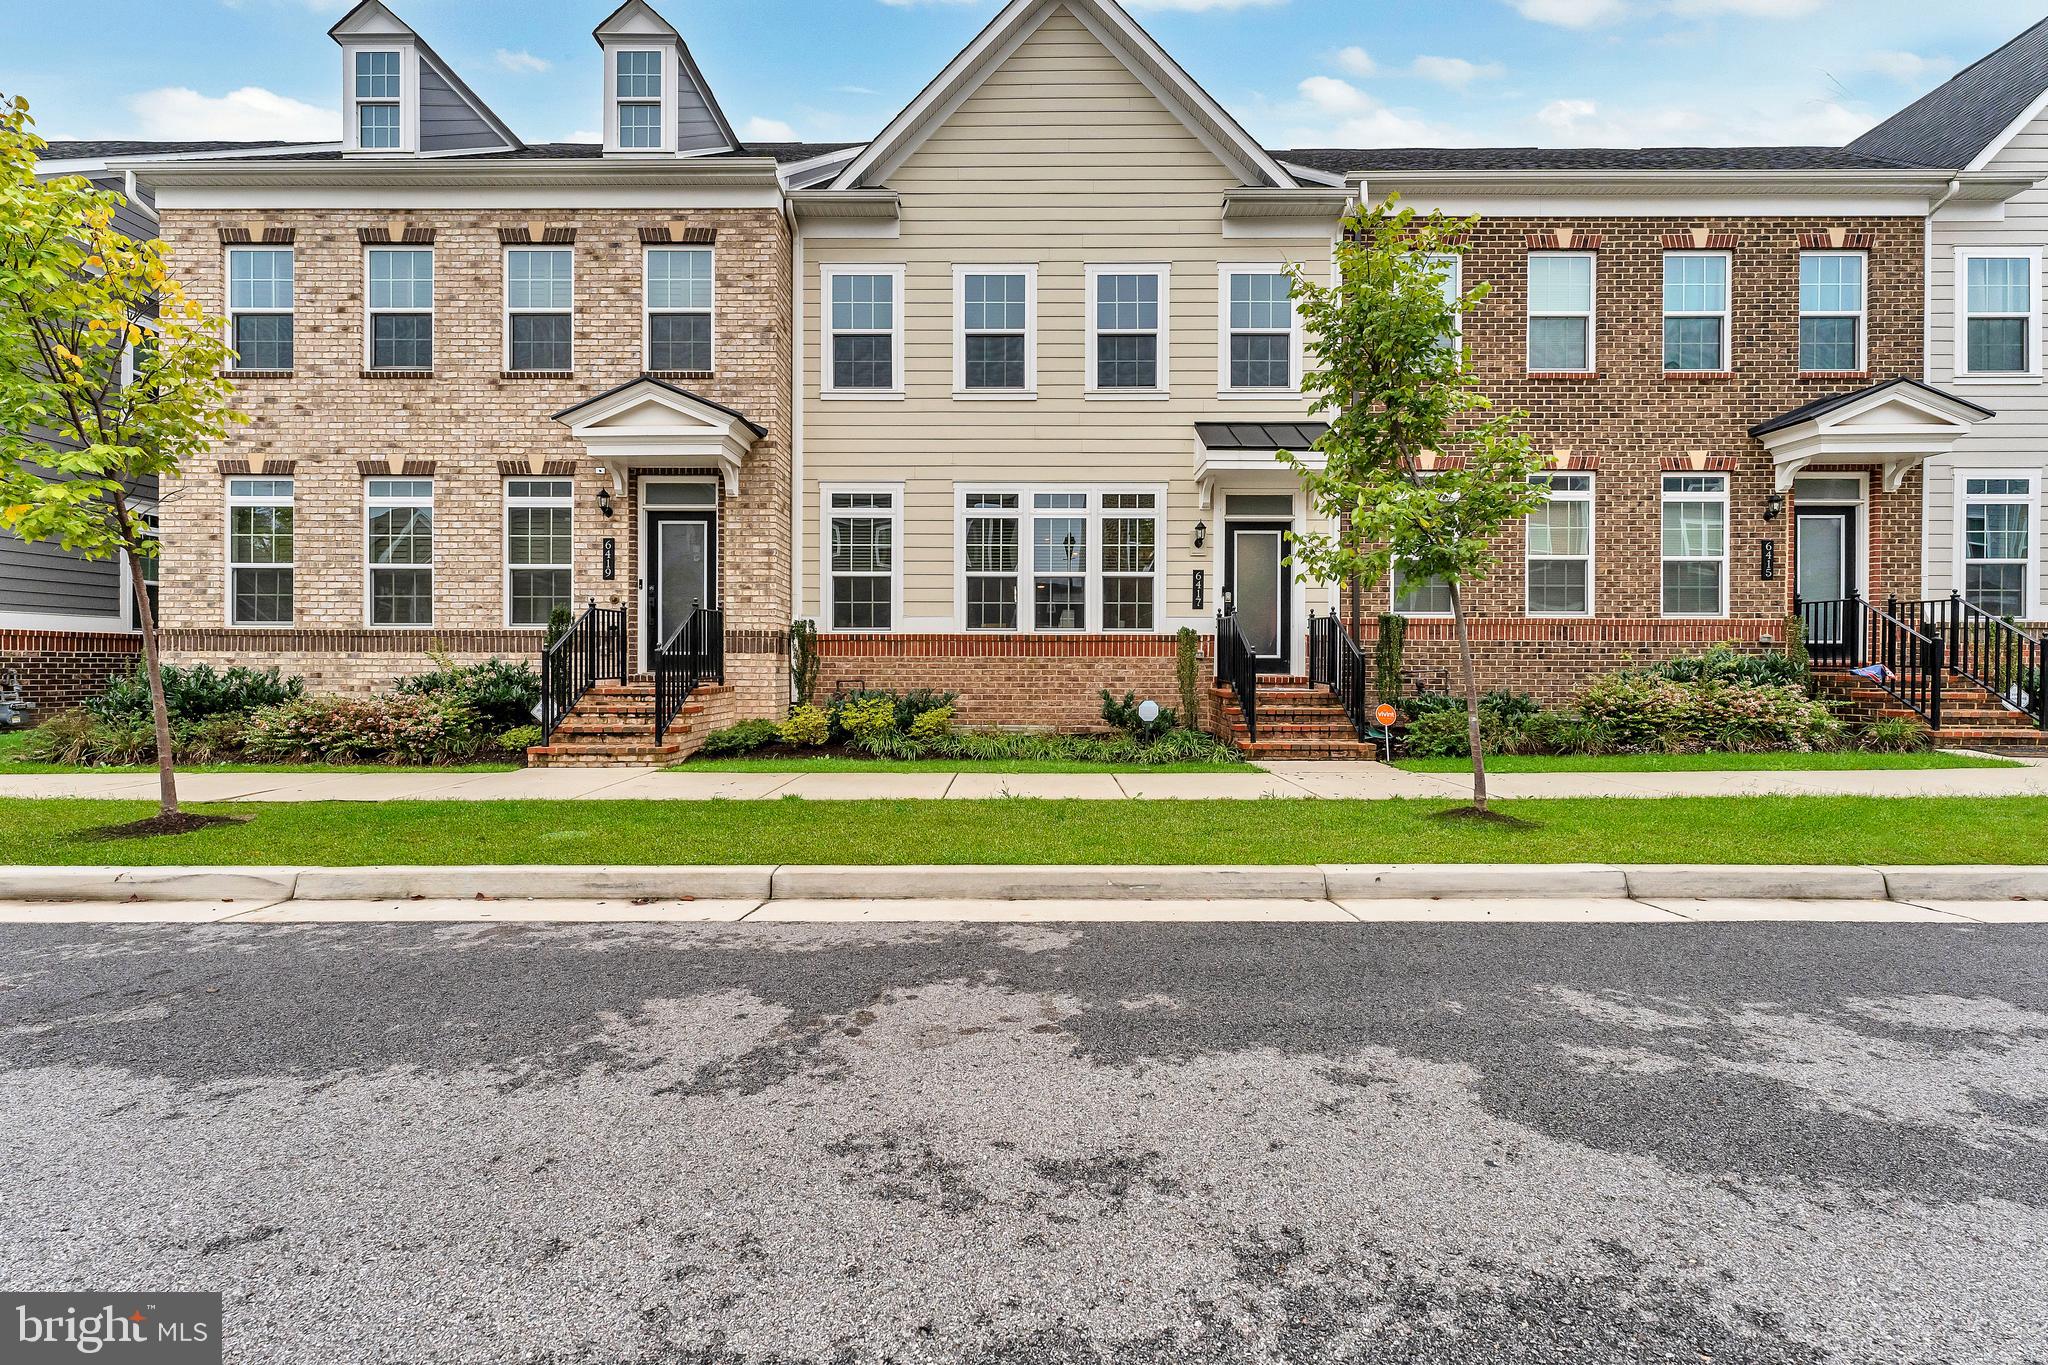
[(1255, 576), (1826, 554), (682, 557)]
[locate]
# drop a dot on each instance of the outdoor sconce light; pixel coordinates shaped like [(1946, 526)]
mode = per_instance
[(604, 501), (1201, 534), (1774, 506)]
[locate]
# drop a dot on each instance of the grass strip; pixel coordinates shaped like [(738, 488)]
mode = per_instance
[(1707, 763)]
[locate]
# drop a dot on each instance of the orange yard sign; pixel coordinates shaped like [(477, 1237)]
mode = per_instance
[(1386, 715)]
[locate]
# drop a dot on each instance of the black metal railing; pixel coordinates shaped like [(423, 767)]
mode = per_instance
[(1322, 650), (591, 650), (1879, 647), (688, 659), (1236, 667), (1988, 650), (1336, 661)]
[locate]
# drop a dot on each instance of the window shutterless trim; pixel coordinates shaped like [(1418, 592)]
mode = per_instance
[(1726, 360), (960, 333), (648, 310), (1591, 315), (1590, 558), (1164, 372), (826, 274), (2030, 595), (1092, 573), (511, 312), (372, 505), (1296, 348), (231, 312), (1665, 497), (371, 313), (563, 502), (1960, 340), (1861, 314), (665, 121), (894, 514), (407, 102), (229, 502)]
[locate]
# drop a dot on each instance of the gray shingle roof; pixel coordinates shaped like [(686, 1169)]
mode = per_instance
[(1265, 436), (1340, 160), (783, 152), (1819, 407), (1952, 123)]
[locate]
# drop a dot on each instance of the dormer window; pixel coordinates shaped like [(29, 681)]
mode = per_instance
[(377, 96), (639, 99)]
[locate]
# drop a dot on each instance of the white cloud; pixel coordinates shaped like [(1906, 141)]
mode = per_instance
[(852, 90), (251, 113), (1907, 67), (1759, 9), (1571, 13), (1737, 118), (1455, 72), (759, 129), (584, 135), (906, 4), (524, 63), (1357, 61), (1199, 6), (1331, 112)]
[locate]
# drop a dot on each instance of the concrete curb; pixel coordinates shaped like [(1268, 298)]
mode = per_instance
[(1345, 882)]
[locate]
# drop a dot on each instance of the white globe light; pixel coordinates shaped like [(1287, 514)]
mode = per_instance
[(1148, 711)]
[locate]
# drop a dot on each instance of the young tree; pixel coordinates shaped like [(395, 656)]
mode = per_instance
[(1421, 474), (109, 376)]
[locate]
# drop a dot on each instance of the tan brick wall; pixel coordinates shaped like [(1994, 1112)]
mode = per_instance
[(327, 416)]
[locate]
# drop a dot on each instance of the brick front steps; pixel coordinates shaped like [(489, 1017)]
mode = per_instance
[(1296, 722), (613, 727), (1971, 718)]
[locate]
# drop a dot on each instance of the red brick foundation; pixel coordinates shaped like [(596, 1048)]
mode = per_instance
[(59, 669), (1048, 681), (1554, 660)]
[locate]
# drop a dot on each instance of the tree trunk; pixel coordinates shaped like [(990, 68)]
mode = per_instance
[(160, 711), (1471, 699), (1355, 588)]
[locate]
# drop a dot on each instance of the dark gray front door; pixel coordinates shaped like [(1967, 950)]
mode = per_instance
[(1255, 576), (1826, 551), (683, 569)]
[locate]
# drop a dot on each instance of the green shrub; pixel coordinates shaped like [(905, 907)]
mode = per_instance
[(1501, 707), (1893, 735), (408, 729), (869, 722), (520, 738), (1725, 663), (905, 706), (1649, 714), (1559, 733), (742, 738), (808, 727), (194, 693), (1187, 671), (1795, 647), (1175, 746), (80, 738), (502, 692), (217, 739), (933, 726), (1123, 715), (1438, 733)]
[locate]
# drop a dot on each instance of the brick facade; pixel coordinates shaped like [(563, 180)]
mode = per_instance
[(1051, 681), (59, 669), (328, 422)]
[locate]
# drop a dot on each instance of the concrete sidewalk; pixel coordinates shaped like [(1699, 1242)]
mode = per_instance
[(1290, 781)]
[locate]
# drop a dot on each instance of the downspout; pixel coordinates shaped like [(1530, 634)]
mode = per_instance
[(796, 426)]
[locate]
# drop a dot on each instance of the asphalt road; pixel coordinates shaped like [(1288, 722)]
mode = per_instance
[(776, 1145)]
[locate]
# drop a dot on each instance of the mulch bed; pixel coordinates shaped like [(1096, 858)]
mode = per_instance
[(181, 823)]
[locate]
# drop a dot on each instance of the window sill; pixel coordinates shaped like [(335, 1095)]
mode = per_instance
[(1698, 376), (1569, 376), (536, 374), (239, 375), (398, 374), (1127, 395), (678, 374), (1834, 374), (996, 395), (1989, 379), (1255, 395), (862, 395)]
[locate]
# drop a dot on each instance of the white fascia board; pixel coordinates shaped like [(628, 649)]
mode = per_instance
[(2011, 130), (99, 164), (463, 182)]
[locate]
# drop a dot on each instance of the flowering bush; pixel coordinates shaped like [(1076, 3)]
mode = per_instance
[(397, 729)]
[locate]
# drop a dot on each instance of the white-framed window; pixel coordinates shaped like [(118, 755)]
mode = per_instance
[(401, 307), (398, 547), (1695, 545), (1559, 561), (1412, 596), (1696, 311), (1831, 311), (379, 83), (260, 294), (1451, 284), (637, 73), (1561, 316), (1260, 342), (539, 549), (260, 552), (540, 308), (681, 290), (995, 339), (1998, 312), (1997, 548), (863, 342), (1036, 558), (862, 583), (1128, 330), (151, 525)]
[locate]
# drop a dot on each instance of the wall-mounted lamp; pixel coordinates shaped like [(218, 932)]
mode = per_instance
[(1201, 534), (604, 501), (1774, 506)]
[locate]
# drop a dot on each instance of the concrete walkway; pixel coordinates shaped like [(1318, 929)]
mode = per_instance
[(1292, 781)]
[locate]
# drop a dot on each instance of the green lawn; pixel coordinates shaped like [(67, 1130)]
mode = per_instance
[(13, 765), (834, 764), (1706, 763), (1754, 829)]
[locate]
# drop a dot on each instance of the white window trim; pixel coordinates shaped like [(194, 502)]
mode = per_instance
[(1591, 315), (670, 72), (1960, 339), (1723, 316), (505, 530), (1296, 340), (369, 313), (1665, 497), (826, 334), (229, 502), (1456, 279), (227, 267), (370, 505), (960, 389), (1092, 572), (1862, 314), (895, 515), (648, 310), (2032, 500), (510, 311), (1394, 600), (408, 100), (1591, 498), (1164, 389)]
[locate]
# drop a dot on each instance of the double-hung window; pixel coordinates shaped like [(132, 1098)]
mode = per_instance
[(1998, 542), (1831, 311), (990, 538), (1130, 560), (861, 558), (538, 545), (1560, 549), (260, 552), (639, 98), (1561, 311), (1082, 558), (401, 308), (864, 331), (1127, 329), (1695, 544), (1695, 311), (378, 82), (1451, 283), (1998, 323), (1059, 561), (996, 343), (260, 307), (679, 293), (399, 542), (540, 303), (1258, 330)]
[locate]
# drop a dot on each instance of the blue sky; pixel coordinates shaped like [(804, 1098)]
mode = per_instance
[(1297, 72)]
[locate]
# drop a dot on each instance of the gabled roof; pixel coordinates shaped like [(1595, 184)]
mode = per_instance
[(649, 387), (1106, 19), (372, 19), (1821, 407), (1968, 118), (638, 19)]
